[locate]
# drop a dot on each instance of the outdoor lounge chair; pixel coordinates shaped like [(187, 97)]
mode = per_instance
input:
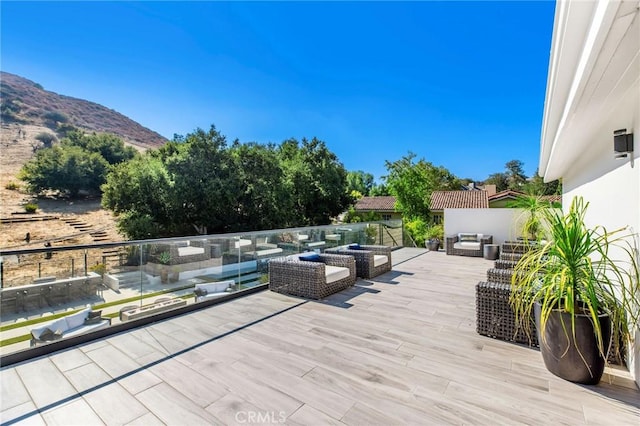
[(371, 261), (311, 275), (466, 244)]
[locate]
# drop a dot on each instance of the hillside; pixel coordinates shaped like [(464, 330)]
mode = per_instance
[(27, 103), (27, 110)]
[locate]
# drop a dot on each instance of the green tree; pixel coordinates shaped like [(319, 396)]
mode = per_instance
[(262, 201), (196, 183), (413, 182), (316, 180), (109, 146), (537, 186), (68, 169), (206, 182), (355, 217), (359, 181), (141, 193), (515, 175), (46, 138), (500, 180), (379, 190)]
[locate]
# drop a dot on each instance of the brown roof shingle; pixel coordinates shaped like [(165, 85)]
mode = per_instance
[(383, 203), (441, 200)]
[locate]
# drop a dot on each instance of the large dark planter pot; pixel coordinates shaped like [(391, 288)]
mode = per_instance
[(575, 359), (433, 245)]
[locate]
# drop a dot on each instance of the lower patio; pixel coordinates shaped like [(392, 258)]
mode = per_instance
[(397, 349)]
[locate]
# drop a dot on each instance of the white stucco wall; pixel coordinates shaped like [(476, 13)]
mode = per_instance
[(503, 224), (612, 188), (593, 89)]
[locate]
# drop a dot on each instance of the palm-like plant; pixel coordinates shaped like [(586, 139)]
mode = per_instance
[(534, 207), (580, 271)]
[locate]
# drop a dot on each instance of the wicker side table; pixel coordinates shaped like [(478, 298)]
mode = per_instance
[(494, 316)]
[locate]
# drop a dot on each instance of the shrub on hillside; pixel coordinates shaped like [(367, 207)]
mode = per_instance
[(30, 207), (46, 138), (12, 186)]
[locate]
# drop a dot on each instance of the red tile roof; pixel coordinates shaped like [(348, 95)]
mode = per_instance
[(441, 200), (377, 204)]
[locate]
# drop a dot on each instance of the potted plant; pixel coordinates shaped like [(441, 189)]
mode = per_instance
[(433, 237), (582, 288), (164, 258), (175, 274)]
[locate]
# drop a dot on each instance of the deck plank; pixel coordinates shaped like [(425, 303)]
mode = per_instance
[(397, 349)]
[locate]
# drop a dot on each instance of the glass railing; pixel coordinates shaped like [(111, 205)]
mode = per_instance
[(48, 294)]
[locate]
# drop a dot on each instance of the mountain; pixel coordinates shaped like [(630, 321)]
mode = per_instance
[(27, 103)]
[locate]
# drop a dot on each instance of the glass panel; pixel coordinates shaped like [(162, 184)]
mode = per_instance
[(57, 288)]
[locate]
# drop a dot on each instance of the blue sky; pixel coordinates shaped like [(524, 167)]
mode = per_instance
[(460, 84)]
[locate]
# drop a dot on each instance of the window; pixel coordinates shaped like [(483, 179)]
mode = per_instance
[(386, 217)]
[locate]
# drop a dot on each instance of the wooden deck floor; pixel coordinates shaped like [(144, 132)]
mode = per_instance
[(399, 349)]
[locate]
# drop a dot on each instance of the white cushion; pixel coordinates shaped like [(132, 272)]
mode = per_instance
[(379, 259), (77, 319), (242, 243), (186, 251), (87, 328), (467, 246), (335, 273), (266, 252), (316, 244), (211, 296), (59, 324), (217, 287)]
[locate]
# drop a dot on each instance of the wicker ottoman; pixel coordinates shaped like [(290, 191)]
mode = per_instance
[(494, 316)]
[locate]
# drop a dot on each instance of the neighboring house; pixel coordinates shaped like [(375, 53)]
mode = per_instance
[(441, 200), (383, 205), (593, 89), (503, 198)]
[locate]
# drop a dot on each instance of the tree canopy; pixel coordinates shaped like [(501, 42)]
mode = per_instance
[(514, 179), (413, 182), (360, 181), (206, 186), (79, 163)]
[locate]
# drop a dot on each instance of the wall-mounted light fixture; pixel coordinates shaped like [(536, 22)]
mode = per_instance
[(622, 143)]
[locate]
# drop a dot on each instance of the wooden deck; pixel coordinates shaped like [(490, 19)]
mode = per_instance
[(399, 349)]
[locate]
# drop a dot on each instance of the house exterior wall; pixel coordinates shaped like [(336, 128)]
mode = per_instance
[(499, 204), (437, 217), (386, 215), (612, 188), (503, 224), (593, 89)]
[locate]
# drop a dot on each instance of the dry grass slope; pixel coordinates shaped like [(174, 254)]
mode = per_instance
[(30, 103)]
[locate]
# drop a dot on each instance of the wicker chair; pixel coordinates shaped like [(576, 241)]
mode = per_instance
[(365, 259), (477, 251), (290, 275)]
